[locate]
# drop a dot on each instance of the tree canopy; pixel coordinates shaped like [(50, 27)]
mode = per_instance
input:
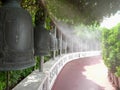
[(85, 11), (75, 11)]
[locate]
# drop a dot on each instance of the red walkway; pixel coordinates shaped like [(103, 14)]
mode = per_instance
[(83, 74)]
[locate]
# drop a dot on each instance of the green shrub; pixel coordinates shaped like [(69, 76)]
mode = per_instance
[(118, 71), (15, 77), (111, 48)]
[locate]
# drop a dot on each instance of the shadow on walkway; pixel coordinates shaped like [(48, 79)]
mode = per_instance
[(83, 74)]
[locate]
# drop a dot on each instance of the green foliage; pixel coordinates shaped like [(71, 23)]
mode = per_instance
[(118, 71), (82, 11), (15, 77), (2, 80), (46, 58), (111, 48), (47, 23), (31, 6), (63, 11), (37, 58)]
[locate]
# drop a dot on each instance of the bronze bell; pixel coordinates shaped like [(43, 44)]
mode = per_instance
[(53, 42), (16, 37), (41, 41)]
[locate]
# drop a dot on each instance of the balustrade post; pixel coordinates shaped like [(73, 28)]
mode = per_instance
[(66, 46), (41, 63), (91, 44), (54, 55), (72, 45), (57, 41), (60, 44), (86, 45), (57, 36), (54, 51), (81, 45)]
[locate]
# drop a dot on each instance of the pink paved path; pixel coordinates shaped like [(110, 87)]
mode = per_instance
[(83, 74)]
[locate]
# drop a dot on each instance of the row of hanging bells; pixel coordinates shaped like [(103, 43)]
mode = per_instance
[(18, 45), (44, 41)]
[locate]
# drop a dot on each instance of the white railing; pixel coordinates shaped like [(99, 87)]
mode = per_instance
[(45, 80)]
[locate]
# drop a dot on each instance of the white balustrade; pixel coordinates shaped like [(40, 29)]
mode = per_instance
[(45, 80)]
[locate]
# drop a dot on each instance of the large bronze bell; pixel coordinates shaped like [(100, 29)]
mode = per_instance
[(41, 40), (16, 37)]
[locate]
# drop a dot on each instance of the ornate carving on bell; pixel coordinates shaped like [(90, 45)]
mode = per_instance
[(16, 37), (53, 42), (42, 41)]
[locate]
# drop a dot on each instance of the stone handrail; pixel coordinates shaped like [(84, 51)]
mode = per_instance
[(45, 80)]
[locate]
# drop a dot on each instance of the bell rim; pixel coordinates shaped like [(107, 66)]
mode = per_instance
[(10, 67)]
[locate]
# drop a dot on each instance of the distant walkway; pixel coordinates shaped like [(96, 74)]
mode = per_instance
[(83, 74)]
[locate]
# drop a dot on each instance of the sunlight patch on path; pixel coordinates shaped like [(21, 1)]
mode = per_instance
[(98, 74)]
